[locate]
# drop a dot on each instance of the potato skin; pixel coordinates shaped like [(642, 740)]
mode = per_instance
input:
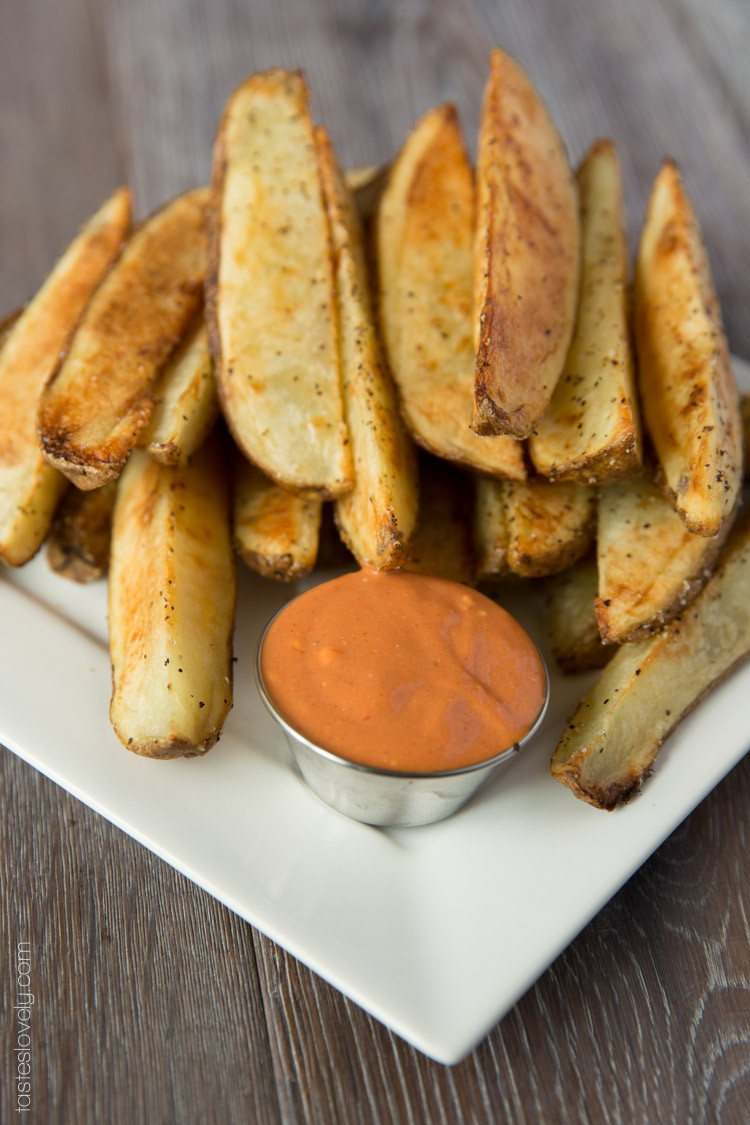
[(610, 744), (526, 255), (688, 393), (101, 394), (172, 589)]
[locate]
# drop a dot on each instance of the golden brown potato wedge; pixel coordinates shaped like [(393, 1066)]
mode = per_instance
[(611, 742), (491, 530), (441, 544), (689, 397), (592, 430), (550, 525), (275, 532), (650, 565), (171, 605), (186, 405), (526, 255), (425, 232), (29, 487), (377, 516), (270, 295), (573, 630), (78, 542), (101, 395)]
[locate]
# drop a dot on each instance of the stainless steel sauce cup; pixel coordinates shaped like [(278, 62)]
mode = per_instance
[(386, 797)]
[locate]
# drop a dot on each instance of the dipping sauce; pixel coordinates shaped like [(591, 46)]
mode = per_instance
[(403, 672)]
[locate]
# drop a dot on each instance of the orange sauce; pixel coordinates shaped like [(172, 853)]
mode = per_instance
[(403, 672)]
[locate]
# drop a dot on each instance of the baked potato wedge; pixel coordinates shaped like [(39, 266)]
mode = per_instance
[(491, 529), (29, 487), (270, 294), (550, 525), (526, 257), (378, 515), (441, 544), (592, 430), (78, 541), (650, 565), (424, 239), (611, 742), (171, 605), (275, 532), (186, 406), (745, 411), (101, 394), (574, 635), (688, 393)]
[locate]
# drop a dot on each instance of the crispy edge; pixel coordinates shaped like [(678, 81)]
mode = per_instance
[(86, 469), (536, 548), (264, 515), (681, 233), (603, 239), (214, 225), (522, 338), (376, 518), (78, 542), (618, 792)]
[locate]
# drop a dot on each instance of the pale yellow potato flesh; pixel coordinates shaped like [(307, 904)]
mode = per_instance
[(425, 260), (526, 257), (611, 742), (270, 307), (550, 525), (688, 394), (650, 565), (171, 605), (275, 532), (79, 539), (186, 405), (592, 430), (574, 635), (441, 544), (378, 515), (101, 395), (29, 487), (491, 530)]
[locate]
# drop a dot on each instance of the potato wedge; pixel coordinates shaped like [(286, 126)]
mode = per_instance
[(366, 184), (550, 525), (186, 405), (745, 410), (688, 393), (573, 630), (78, 542), (270, 294), (275, 532), (592, 430), (378, 515), (171, 605), (101, 395), (650, 565), (424, 237), (611, 742), (441, 544), (526, 255), (491, 529), (29, 487)]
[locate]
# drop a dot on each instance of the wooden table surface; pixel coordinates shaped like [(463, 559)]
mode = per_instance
[(153, 1002)]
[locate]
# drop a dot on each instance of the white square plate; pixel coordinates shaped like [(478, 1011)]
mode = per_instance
[(436, 931)]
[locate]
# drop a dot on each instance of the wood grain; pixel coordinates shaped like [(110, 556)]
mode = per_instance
[(155, 1003)]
